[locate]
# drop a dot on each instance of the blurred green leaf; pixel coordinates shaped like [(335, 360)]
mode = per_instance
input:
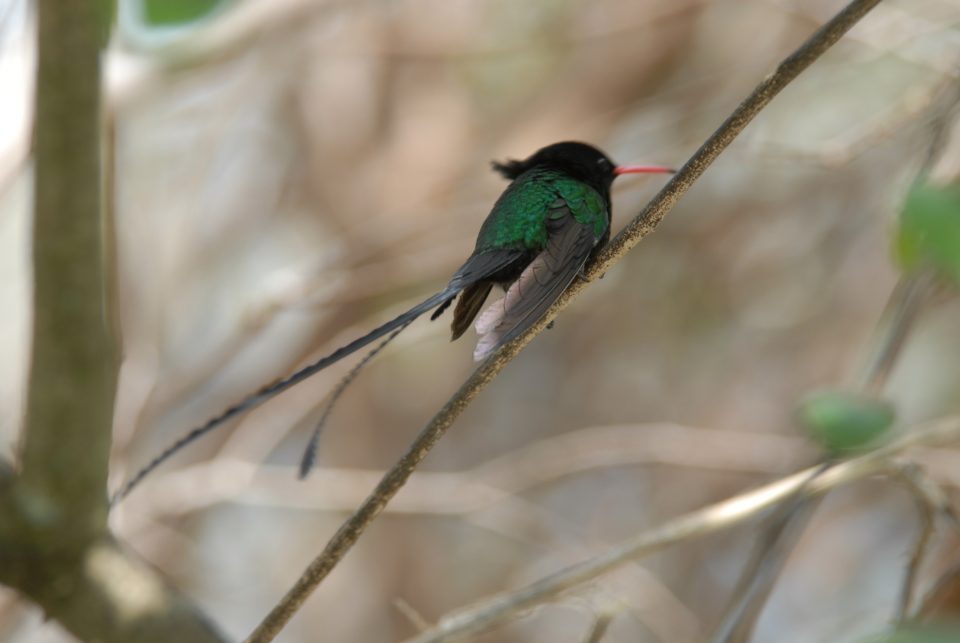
[(161, 13), (930, 229), (844, 422)]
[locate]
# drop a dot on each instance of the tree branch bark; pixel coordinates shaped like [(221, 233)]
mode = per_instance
[(641, 225), (54, 544), (72, 371)]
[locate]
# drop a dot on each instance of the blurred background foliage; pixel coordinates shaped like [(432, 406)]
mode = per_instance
[(287, 173)]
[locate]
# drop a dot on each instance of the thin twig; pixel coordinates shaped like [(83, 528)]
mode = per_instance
[(409, 612), (533, 465), (919, 552), (718, 517), (903, 307), (777, 539), (926, 490), (931, 501), (599, 626), (641, 225), (781, 536)]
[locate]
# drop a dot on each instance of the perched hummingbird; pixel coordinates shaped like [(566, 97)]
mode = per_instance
[(549, 222)]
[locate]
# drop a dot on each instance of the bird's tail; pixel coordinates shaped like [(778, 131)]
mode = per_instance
[(254, 400), (310, 452)]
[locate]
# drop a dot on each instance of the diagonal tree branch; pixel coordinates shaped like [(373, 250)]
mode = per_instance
[(641, 225)]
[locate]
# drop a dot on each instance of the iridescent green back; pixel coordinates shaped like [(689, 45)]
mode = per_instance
[(518, 219)]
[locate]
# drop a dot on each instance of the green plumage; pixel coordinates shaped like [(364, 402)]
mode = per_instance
[(518, 219)]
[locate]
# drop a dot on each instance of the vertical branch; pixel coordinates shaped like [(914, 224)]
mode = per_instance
[(54, 546), (72, 370)]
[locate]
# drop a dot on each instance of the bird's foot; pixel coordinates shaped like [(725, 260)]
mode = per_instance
[(582, 274)]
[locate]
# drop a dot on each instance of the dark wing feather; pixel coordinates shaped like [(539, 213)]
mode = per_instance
[(569, 244), (486, 266), (470, 302)]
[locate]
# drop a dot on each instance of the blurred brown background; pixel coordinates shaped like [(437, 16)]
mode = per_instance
[(290, 173)]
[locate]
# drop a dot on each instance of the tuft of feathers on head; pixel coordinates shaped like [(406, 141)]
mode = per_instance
[(579, 159), (510, 169)]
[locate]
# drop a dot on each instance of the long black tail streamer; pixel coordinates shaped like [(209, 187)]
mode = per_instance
[(310, 452), (253, 401)]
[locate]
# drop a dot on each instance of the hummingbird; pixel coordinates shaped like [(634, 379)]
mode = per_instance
[(547, 225)]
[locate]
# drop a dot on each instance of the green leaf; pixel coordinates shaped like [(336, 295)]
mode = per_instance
[(844, 422), (167, 13), (929, 231)]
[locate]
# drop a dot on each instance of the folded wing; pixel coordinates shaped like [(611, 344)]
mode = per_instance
[(569, 243)]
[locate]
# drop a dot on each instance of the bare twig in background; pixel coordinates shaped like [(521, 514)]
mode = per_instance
[(431, 492), (476, 501), (410, 613), (774, 546), (718, 517), (599, 626), (905, 303), (926, 490), (641, 225), (919, 552), (851, 144), (931, 501)]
